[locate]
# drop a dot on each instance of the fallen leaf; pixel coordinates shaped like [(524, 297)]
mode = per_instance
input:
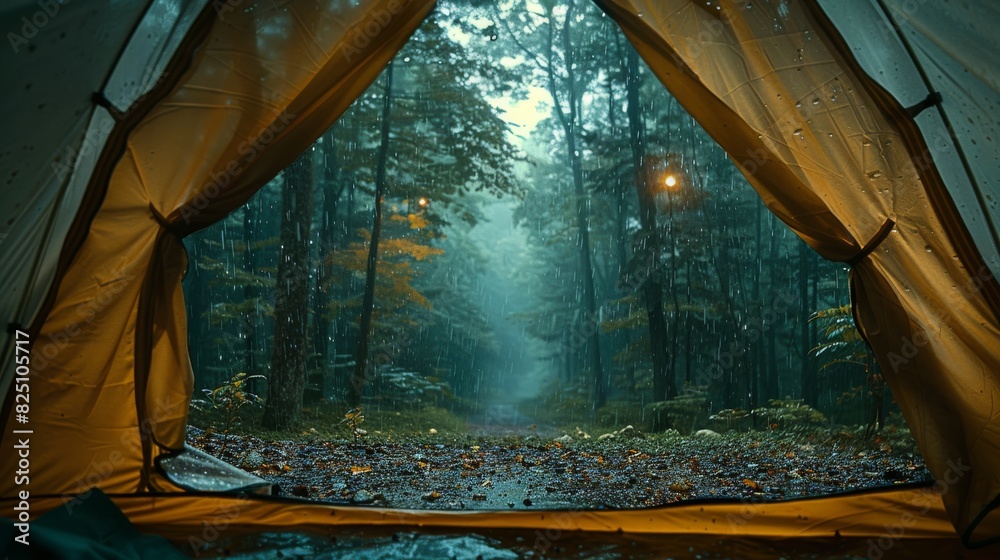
[(431, 496)]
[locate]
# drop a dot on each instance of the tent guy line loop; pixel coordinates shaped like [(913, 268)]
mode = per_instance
[(873, 243), (932, 100)]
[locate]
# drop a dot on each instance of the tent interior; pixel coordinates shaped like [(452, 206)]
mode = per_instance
[(528, 278)]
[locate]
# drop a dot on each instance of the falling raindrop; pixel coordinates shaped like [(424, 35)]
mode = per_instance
[(874, 174), (798, 132)]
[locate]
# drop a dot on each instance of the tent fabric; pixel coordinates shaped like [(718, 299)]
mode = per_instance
[(56, 130), (264, 84), (895, 513), (830, 152), (955, 50), (837, 159), (91, 529)]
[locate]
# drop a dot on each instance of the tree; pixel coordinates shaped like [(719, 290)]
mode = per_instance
[(561, 73), (361, 376), (288, 371), (664, 383), (842, 343)]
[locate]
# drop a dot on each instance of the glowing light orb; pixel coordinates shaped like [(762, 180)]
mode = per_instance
[(670, 181)]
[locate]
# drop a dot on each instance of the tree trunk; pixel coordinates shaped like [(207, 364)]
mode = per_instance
[(361, 374), (249, 327), (808, 376), (570, 124), (663, 383), (333, 188), (771, 384), (291, 308)]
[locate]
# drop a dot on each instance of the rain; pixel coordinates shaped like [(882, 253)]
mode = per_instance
[(516, 274)]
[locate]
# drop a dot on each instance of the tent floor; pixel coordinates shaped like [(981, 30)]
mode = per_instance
[(384, 543)]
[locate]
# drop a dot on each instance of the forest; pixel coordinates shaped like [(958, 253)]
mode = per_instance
[(517, 232)]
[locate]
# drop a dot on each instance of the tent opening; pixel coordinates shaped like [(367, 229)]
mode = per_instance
[(576, 299)]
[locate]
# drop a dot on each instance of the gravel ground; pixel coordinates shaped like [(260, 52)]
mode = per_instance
[(529, 471)]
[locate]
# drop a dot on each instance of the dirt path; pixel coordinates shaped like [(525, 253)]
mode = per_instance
[(453, 472)]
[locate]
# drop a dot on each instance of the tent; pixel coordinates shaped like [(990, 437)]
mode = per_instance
[(869, 127)]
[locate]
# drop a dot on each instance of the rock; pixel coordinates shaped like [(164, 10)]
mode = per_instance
[(362, 497), (253, 460), (582, 434), (479, 497), (527, 502), (707, 433), (563, 439), (431, 496), (432, 431), (679, 487), (603, 437)]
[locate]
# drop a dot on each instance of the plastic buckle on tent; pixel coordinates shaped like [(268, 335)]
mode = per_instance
[(931, 100)]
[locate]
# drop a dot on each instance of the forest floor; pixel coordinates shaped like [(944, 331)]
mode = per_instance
[(528, 468)]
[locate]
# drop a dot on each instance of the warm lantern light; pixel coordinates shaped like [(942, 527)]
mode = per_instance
[(670, 181), (422, 201)]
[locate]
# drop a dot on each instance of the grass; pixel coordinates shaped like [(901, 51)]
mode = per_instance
[(325, 420)]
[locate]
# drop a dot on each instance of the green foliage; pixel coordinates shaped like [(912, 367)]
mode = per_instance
[(353, 420), (790, 415), (842, 343), (227, 400), (411, 389), (683, 413), (731, 419)]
